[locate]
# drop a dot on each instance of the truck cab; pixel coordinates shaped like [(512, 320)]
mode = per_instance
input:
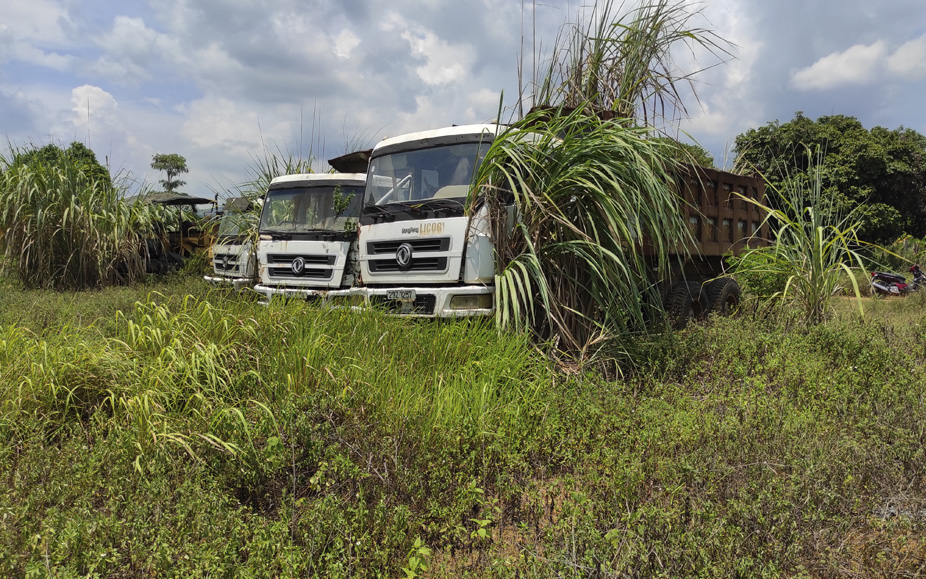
[(420, 252), (308, 235), (234, 259)]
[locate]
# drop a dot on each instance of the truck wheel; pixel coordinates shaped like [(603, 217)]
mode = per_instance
[(699, 299), (723, 295), (684, 302)]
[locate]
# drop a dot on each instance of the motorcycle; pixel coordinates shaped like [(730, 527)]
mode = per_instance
[(892, 284)]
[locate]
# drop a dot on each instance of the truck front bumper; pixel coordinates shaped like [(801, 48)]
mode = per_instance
[(342, 297), (441, 302), (236, 282)]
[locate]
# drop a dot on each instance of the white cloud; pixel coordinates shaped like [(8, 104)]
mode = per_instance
[(345, 43), (132, 49), (909, 61), (216, 122), (445, 63), (91, 100), (94, 117), (199, 77), (860, 64), (32, 32)]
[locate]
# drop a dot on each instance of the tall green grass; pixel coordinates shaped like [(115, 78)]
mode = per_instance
[(212, 435), (622, 61), (815, 248), (173, 368), (64, 227), (597, 219)]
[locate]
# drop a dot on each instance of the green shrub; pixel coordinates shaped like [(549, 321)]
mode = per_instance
[(211, 435), (756, 272)]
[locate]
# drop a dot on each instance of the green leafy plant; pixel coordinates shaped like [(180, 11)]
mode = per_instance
[(754, 272), (814, 245), (417, 559), (66, 226), (342, 203), (589, 195)]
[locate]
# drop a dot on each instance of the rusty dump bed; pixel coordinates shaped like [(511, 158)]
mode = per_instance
[(720, 220)]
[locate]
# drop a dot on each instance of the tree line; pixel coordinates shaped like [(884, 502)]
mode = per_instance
[(879, 172)]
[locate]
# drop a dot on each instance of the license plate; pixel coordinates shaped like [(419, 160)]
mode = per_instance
[(401, 295)]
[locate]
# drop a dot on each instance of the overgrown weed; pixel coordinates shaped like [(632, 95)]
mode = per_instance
[(294, 440)]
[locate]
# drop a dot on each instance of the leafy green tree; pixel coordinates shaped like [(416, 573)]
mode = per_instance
[(881, 172), (172, 164), (76, 155), (690, 154)]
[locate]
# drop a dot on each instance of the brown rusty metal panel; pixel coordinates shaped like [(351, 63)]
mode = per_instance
[(717, 211)]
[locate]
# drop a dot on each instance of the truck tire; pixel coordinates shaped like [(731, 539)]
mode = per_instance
[(699, 300), (685, 301), (723, 295)]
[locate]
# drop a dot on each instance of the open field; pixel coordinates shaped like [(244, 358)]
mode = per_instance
[(147, 433)]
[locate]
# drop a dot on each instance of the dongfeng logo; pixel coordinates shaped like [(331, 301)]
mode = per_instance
[(403, 256), (298, 266), (224, 262)]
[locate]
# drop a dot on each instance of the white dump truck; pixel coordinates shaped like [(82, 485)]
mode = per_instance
[(421, 255), (308, 235), (234, 261)]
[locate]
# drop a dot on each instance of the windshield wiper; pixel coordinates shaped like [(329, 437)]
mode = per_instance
[(376, 211), (441, 203), (275, 233)]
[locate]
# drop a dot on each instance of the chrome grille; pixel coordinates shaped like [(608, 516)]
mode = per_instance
[(279, 266), (383, 258), (424, 245)]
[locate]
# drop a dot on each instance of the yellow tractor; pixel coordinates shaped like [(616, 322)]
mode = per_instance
[(182, 235)]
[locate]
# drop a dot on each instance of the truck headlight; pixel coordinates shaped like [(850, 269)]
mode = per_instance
[(471, 302), (348, 302)]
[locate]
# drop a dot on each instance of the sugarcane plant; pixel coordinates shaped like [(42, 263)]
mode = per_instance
[(66, 225), (624, 62), (815, 246), (591, 178), (596, 220)]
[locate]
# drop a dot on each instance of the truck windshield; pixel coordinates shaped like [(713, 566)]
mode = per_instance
[(443, 172), (325, 208), (235, 224)]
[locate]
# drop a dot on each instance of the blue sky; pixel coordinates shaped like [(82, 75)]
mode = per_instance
[(222, 82)]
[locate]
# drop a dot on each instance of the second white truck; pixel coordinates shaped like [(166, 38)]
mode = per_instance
[(308, 235), (234, 260)]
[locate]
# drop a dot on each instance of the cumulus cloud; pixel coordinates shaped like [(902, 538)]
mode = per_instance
[(345, 43), (32, 32), (218, 81), (216, 122), (444, 63), (89, 99), (909, 61), (94, 117), (131, 48), (859, 64)]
